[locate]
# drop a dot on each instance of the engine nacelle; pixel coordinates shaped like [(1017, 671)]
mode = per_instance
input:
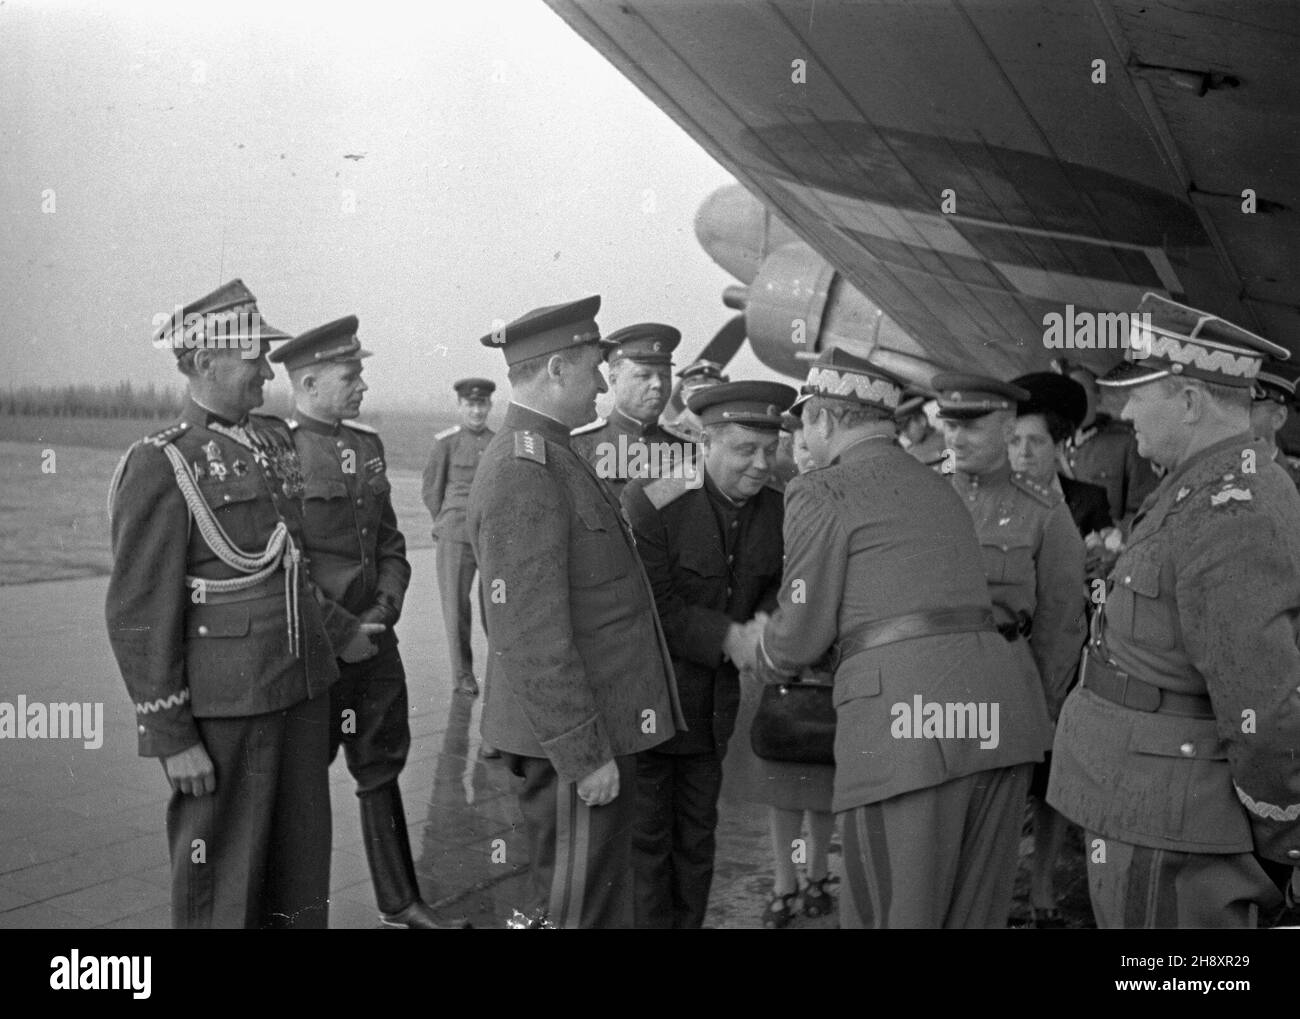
[(798, 306)]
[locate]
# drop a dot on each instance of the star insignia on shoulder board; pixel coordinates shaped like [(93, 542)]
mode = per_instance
[(1183, 493)]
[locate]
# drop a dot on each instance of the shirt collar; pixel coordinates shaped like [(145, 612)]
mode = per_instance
[(314, 424)]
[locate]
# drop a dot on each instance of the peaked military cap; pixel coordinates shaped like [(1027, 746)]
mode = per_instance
[(547, 330), (1167, 338), (474, 389), (1049, 391), (753, 404), (702, 372), (334, 341), (1276, 381), (228, 313), (965, 397), (839, 375), (646, 342)]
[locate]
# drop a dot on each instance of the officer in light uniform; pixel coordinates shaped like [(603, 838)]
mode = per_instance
[(579, 679), (359, 563), (640, 361), (882, 562), (1033, 555), (218, 636), (1271, 398), (447, 480), (1177, 751)]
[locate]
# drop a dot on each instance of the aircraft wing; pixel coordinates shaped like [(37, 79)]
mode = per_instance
[(972, 169)]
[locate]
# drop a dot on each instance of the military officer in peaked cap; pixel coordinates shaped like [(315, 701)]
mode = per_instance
[(1034, 561), (579, 679), (640, 360), (695, 376), (1103, 451), (359, 564), (447, 479), (1033, 554), (713, 555), (882, 564), (1176, 752), (1271, 399), (218, 636)]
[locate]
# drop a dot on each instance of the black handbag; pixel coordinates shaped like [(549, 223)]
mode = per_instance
[(795, 722)]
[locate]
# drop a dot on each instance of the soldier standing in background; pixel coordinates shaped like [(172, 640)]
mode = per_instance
[(1273, 394), (218, 636), (447, 481), (640, 361), (1104, 452), (579, 678), (1177, 750), (359, 563)]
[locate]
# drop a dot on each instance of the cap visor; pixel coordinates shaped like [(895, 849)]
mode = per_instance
[(1129, 373)]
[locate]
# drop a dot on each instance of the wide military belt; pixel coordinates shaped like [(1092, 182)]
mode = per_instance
[(909, 626), (1113, 684), (257, 569)]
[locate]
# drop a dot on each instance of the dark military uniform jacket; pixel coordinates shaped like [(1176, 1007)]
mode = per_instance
[(1204, 600), (710, 563), (1033, 560), (578, 671), (186, 650), (358, 556), (1088, 505), (448, 477), (612, 444), (1105, 453), (874, 536)]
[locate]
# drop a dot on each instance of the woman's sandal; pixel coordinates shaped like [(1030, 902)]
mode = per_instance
[(816, 899), (779, 911)]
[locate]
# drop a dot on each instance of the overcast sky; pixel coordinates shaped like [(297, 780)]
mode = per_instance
[(506, 165)]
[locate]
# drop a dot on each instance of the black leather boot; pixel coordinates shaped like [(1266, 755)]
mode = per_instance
[(388, 851)]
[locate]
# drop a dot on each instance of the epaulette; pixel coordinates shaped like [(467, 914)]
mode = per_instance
[(447, 433), (1230, 491), (1043, 494), (662, 491), (167, 436), (530, 446), (357, 426), (591, 426)]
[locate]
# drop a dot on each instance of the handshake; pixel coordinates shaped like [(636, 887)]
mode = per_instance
[(741, 642)]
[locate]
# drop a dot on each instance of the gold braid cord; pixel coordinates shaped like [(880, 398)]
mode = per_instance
[(280, 551)]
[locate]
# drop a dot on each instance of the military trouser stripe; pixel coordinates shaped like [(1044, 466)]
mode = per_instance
[(1143, 886), (867, 866), (572, 845)]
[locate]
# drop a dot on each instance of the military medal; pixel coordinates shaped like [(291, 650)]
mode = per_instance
[(217, 470), (239, 468)]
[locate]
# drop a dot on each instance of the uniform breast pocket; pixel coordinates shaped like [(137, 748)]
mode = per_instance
[(325, 506), (1008, 563), (596, 556), (1138, 608), (463, 466), (232, 497)]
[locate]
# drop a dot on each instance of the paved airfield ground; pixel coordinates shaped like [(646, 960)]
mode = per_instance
[(81, 830)]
